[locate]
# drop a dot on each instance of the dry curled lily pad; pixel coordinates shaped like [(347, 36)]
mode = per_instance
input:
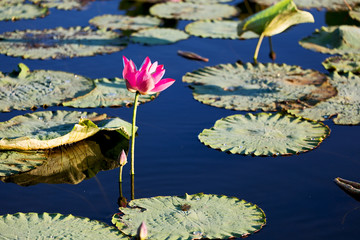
[(59, 43), (193, 11), (27, 89), (158, 36), (122, 22), (55, 226), (350, 187), (49, 129), (191, 217), (21, 11), (251, 87), (63, 4), (344, 64), (334, 40), (108, 93), (344, 107), (264, 134)]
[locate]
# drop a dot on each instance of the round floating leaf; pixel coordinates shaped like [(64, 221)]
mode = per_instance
[(108, 93), (59, 43), (191, 217), (12, 162), (125, 22), (54, 226), (158, 36), (345, 63), (63, 4), (254, 87), (193, 11), (264, 134), (25, 89), (208, 1), (345, 105), (10, 2), (21, 11), (43, 130), (334, 40)]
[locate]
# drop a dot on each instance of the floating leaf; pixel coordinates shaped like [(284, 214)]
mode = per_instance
[(25, 89), (334, 40), (258, 87), (122, 22), (191, 55), (350, 187), (21, 11), (191, 217), (158, 36), (10, 2), (345, 63), (63, 4), (208, 1), (264, 134), (355, 13), (43, 130), (59, 43), (193, 11), (345, 105), (12, 162), (55, 226)]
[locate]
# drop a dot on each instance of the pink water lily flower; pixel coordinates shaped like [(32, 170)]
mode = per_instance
[(146, 80)]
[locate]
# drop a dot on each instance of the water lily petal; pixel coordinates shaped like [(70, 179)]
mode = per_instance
[(145, 82), (146, 64), (158, 74), (162, 85)]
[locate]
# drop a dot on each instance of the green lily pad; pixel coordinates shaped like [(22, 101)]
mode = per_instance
[(59, 43), (208, 1), (63, 4), (193, 11), (345, 63), (251, 87), (108, 93), (30, 89), (122, 22), (158, 36), (345, 105), (355, 14), (12, 162), (54, 226), (334, 40), (10, 2), (21, 11), (49, 129), (191, 217), (264, 134)]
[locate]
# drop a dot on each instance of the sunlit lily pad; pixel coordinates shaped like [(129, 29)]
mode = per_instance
[(258, 87), (345, 63), (193, 11), (158, 36), (191, 217), (13, 162), (59, 43), (345, 106), (208, 1), (264, 134), (21, 11), (108, 93), (63, 4), (49, 129), (123, 22), (55, 226), (334, 40), (30, 89), (10, 2), (350, 187), (355, 13)]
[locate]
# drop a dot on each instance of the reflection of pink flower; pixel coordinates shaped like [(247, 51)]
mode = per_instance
[(147, 79)]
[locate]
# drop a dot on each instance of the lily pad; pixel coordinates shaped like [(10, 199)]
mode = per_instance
[(49, 129), (350, 187), (13, 162), (264, 134), (54, 226), (158, 36), (108, 93), (193, 11), (59, 43), (345, 63), (10, 2), (355, 14), (21, 11), (334, 40), (266, 87), (30, 89), (345, 105), (208, 1), (63, 4), (122, 22), (191, 217)]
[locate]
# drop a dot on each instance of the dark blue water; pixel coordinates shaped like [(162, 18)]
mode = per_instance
[(297, 193)]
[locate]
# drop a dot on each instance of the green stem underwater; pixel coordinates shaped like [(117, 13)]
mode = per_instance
[(132, 171)]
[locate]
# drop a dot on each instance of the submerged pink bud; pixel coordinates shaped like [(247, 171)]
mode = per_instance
[(146, 80), (142, 232), (122, 158)]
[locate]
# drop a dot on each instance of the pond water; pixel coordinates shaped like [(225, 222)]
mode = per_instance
[(297, 193)]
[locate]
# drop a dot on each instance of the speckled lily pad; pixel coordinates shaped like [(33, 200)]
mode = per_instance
[(123, 22), (264, 134), (158, 36), (55, 226), (345, 63), (334, 40), (108, 93), (10, 2), (59, 43), (258, 87), (63, 4), (193, 11), (21, 11), (191, 217)]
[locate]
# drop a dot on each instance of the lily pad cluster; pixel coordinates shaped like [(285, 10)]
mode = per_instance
[(15, 10)]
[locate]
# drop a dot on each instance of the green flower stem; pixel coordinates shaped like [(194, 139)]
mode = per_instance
[(258, 47), (132, 172), (120, 174)]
